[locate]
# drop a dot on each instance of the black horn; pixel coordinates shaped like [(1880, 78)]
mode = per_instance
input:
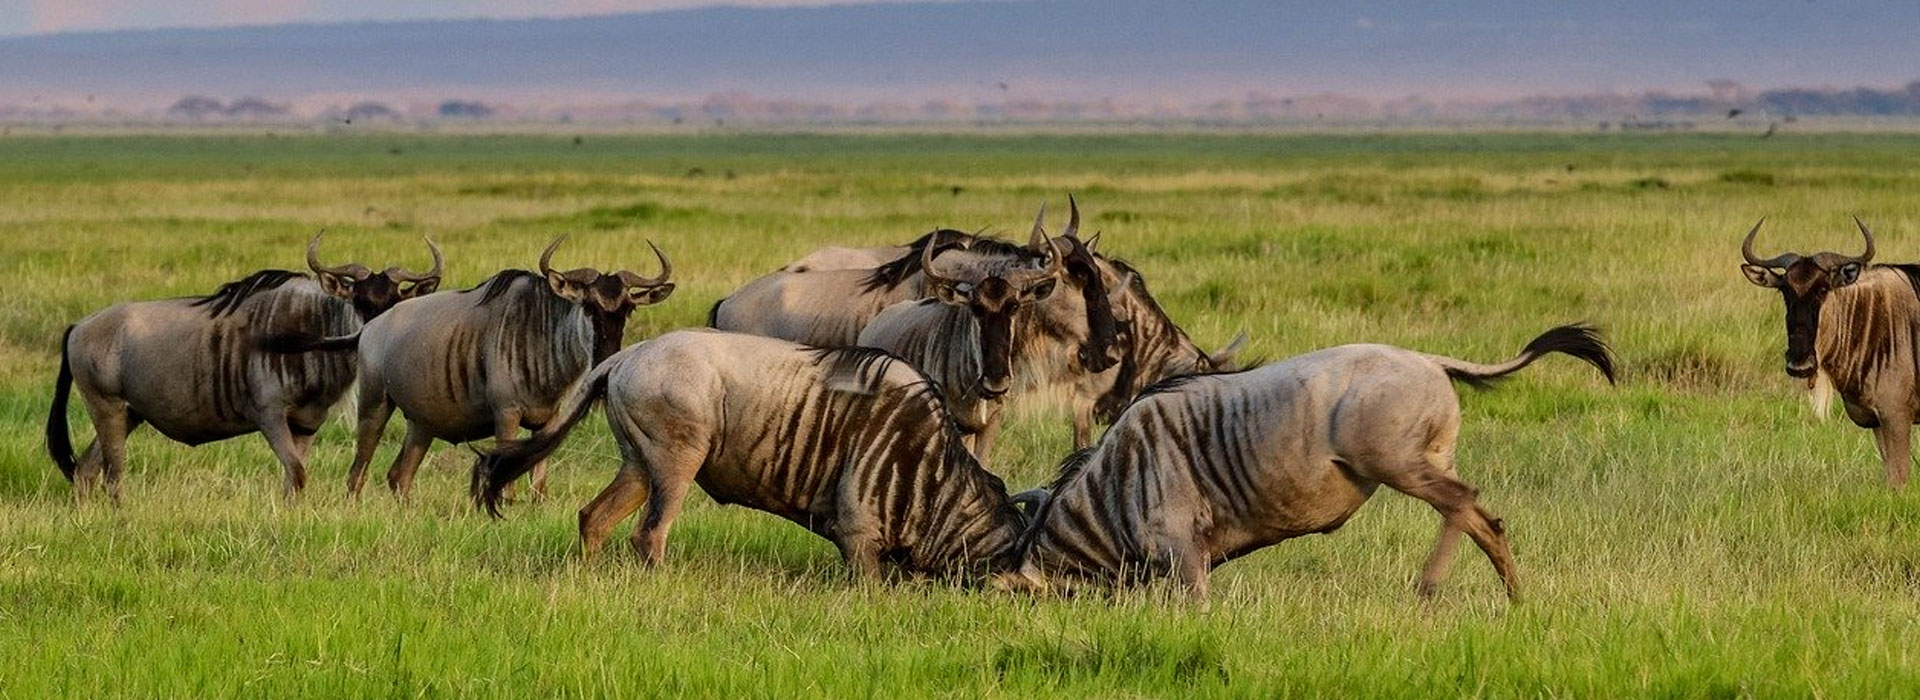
[(313, 258), (546, 256)]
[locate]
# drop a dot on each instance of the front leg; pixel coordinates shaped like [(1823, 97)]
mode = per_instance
[(1896, 455)]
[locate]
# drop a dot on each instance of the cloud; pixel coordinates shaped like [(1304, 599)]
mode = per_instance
[(67, 15), (48, 16)]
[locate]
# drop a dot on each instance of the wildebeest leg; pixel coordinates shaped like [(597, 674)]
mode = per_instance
[(293, 465), (1895, 450), (375, 410), (666, 493), (412, 451), (1436, 568), (112, 421), (506, 426), (1082, 424), (989, 429), (1460, 508), (1192, 570), (617, 501)]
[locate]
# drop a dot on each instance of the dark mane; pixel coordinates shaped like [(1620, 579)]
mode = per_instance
[(1911, 270), (891, 274), (493, 287), (860, 367), (230, 295)]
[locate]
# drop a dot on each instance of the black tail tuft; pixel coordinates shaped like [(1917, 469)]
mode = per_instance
[(494, 469), (713, 314), (1579, 340), (59, 444)]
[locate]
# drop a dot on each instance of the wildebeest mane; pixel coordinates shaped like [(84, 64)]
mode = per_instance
[(494, 287), (855, 369), (891, 274), (1911, 270), (232, 294)]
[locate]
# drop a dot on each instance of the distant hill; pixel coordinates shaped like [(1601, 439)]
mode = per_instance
[(979, 51)]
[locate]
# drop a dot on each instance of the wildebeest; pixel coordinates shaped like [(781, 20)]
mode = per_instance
[(969, 332), (827, 307), (1205, 468), (1852, 327), (1150, 348), (485, 362), (196, 369), (830, 307), (850, 443)]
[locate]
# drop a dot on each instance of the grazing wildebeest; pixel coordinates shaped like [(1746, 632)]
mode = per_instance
[(969, 333), (196, 369), (1205, 468), (485, 362), (850, 443), (1852, 327)]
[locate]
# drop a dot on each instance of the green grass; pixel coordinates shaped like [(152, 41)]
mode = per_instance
[(1693, 532)]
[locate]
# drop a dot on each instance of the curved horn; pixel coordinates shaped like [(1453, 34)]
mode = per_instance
[(546, 257), (666, 271), (1781, 260), (926, 267), (313, 257), (1073, 218), (1864, 233), (439, 264), (1038, 240)]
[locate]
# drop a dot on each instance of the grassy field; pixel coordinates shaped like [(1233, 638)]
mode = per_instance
[(1692, 532)]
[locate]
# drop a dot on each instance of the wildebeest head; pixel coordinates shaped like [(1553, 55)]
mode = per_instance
[(371, 293), (1804, 283), (994, 299), (1102, 348), (608, 298)]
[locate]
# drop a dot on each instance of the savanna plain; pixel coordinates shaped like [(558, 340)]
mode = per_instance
[(1692, 532)]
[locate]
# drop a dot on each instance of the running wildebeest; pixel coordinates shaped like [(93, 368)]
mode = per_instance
[(1205, 468), (1852, 327), (850, 443), (197, 369), (488, 361)]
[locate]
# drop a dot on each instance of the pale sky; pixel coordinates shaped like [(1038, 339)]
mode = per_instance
[(19, 17)]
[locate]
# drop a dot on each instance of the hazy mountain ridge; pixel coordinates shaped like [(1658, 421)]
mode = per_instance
[(1097, 58)]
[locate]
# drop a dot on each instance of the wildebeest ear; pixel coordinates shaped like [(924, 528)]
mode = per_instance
[(1761, 276), (563, 288), (421, 288), (1041, 291), (652, 295), (336, 285), (953, 293), (1847, 274)]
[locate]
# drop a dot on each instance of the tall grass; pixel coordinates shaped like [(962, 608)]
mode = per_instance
[(1692, 532)]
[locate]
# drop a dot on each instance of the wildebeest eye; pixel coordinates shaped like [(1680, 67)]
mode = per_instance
[(1040, 291)]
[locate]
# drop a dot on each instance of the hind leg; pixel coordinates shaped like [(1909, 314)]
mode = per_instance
[(412, 451), (375, 411), (293, 464), (112, 422), (1431, 480), (617, 501)]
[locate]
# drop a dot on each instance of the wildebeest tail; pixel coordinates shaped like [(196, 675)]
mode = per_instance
[(509, 460), (59, 444), (297, 342), (1578, 340), (713, 314)]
